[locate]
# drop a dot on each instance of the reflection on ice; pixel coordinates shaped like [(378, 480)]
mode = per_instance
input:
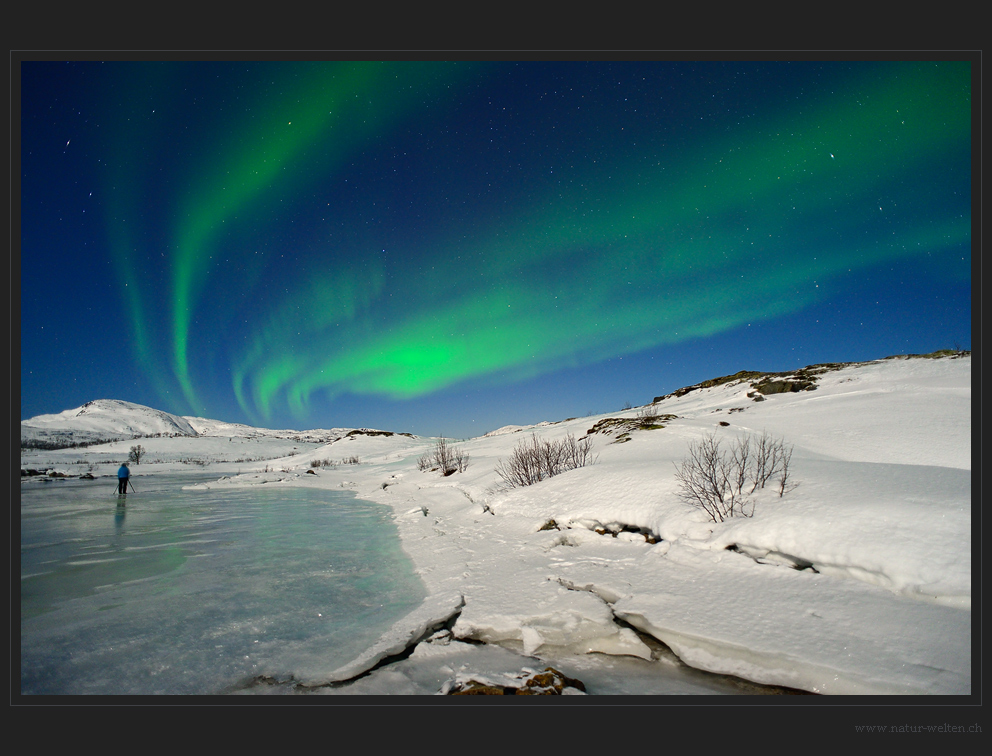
[(192, 591)]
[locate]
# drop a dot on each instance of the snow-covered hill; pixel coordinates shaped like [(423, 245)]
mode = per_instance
[(106, 420), (219, 428), (103, 420)]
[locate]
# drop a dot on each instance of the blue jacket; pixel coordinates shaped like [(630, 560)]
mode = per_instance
[(123, 472)]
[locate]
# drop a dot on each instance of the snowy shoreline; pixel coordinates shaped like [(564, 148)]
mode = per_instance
[(858, 581)]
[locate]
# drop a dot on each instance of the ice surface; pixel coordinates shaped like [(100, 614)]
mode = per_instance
[(198, 592)]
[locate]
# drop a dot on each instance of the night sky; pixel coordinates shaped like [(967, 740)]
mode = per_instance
[(449, 247)]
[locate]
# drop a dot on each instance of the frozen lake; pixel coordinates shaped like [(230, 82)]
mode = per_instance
[(199, 591)]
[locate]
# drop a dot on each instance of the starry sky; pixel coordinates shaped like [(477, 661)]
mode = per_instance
[(446, 247)]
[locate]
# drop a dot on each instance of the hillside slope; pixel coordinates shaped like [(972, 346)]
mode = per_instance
[(103, 420)]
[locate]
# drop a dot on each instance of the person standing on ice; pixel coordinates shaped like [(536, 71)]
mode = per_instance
[(122, 475)]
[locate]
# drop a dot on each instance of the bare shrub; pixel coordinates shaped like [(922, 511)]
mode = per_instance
[(784, 484), (647, 415), (523, 468), (460, 458), (721, 483), (534, 460), (334, 463), (576, 453), (444, 457)]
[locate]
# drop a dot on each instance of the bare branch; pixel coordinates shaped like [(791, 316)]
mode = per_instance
[(534, 460), (717, 482)]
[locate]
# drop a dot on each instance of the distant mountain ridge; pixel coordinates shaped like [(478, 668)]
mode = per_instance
[(100, 421), (105, 420)]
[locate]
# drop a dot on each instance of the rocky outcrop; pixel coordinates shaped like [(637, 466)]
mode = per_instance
[(622, 427), (803, 379), (548, 682)]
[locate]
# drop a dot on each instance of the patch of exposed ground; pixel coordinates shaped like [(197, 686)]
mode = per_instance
[(803, 379), (622, 427)]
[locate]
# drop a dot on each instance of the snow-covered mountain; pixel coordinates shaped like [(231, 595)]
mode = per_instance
[(103, 420), (115, 420)]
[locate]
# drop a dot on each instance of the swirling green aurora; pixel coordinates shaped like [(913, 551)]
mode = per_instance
[(393, 230)]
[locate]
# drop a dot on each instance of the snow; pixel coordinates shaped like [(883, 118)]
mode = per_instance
[(206, 427), (856, 581), (516, 428), (103, 419)]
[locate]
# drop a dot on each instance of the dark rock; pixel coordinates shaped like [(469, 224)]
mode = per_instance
[(550, 682), (785, 386), (742, 375)]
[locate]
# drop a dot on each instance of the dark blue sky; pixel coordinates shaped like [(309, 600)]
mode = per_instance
[(445, 248)]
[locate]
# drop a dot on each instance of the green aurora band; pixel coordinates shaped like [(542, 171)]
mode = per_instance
[(742, 226), (319, 108)]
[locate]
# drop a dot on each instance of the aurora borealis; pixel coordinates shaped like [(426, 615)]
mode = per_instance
[(447, 247)]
